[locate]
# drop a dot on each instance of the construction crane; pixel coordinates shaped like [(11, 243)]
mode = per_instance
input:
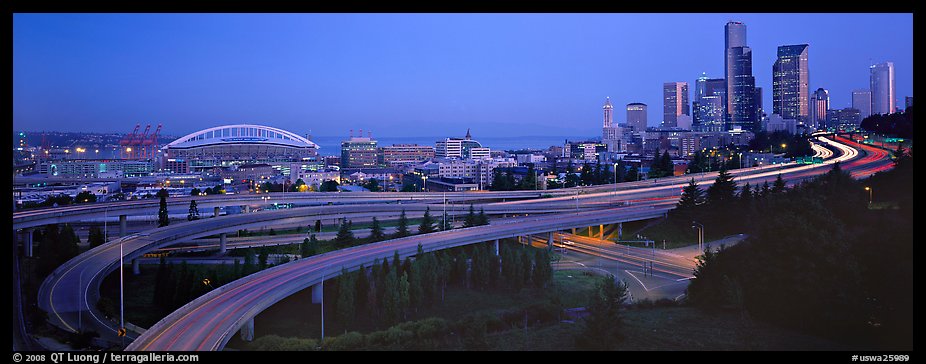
[(126, 142), (137, 143), (150, 144)]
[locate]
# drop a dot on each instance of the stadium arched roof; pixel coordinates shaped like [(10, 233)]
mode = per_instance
[(241, 134)]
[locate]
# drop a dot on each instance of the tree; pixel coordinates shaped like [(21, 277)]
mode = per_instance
[(402, 228), (390, 298), (218, 189), (372, 184), (329, 186), (633, 174), (84, 197), (602, 327), (723, 190), (746, 194), (403, 295), (345, 237), (163, 218), (376, 231), (482, 219), (346, 306), (96, 237), (470, 219), (194, 211), (162, 193), (262, 257), (298, 186), (543, 271), (529, 182), (361, 289), (779, 185), (309, 246), (692, 196), (195, 192), (427, 223)]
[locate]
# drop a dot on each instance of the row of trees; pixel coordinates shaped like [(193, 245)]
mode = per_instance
[(817, 259), (177, 284), (345, 237), (56, 245), (217, 190), (899, 124), (393, 290)]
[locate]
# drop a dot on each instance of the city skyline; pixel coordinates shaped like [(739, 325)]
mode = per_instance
[(501, 74)]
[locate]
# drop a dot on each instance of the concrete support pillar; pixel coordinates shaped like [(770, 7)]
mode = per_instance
[(573, 231), (247, 331), (550, 240), (589, 231), (122, 223), (223, 241), (215, 211), (496, 247), (318, 292), (620, 231), (27, 242), (136, 268), (247, 209), (601, 232)]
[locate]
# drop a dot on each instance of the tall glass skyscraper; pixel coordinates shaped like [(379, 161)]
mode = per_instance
[(707, 109), (675, 102), (740, 96), (882, 88), (819, 104), (861, 101), (791, 83)]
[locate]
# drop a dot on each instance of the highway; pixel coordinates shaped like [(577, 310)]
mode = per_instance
[(208, 322), (61, 292)]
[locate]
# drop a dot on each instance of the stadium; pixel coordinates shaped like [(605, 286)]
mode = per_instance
[(232, 145)]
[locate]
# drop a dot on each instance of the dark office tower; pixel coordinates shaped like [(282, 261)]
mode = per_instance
[(741, 91), (791, 83), (759, 109), (734, 36), (908, 102), (636, 116), (861, 101), (882, 88), (819, 104), (675, 103)]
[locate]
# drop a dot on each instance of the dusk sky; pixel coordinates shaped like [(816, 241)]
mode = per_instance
[(410, 74)]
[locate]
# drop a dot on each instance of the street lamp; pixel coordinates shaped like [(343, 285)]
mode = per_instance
[(615, 181), (870, 191), (696, 225)]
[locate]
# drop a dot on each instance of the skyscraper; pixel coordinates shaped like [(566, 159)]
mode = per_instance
[(758, 100), (608, 113), (908, 102), (741, 91), (882, 88), (791, 83), (610, 132), (636, 116), (707, 108), (675, 102), (861, 101), (819, 104), (740, 96)]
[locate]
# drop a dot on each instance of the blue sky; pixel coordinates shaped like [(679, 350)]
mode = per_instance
[(409, 74)]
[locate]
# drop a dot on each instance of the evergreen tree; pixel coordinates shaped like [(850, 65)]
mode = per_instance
[(479, 270), (69, 243), (779, 185), (391, 299), (309, 246), (397, 263), (345, 237), (361, 290), (194, 211), (543, 271), (509, 181), (96, 237), (262, 258), (723, 190), (415, 289), (376, 231), (529, 182), (746, 194), (587, 176), (470, 219), (163, 219), (482, 218), (602, 326), (692, 196), (403, 296), (633, 174), (427, 223), (667, 166), (195, 192), (346, 306), (766, 190), (402, 229)]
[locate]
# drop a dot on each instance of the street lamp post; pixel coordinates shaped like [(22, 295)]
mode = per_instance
[(121, 294), (615, 181), (870, 191), (696, 225)]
